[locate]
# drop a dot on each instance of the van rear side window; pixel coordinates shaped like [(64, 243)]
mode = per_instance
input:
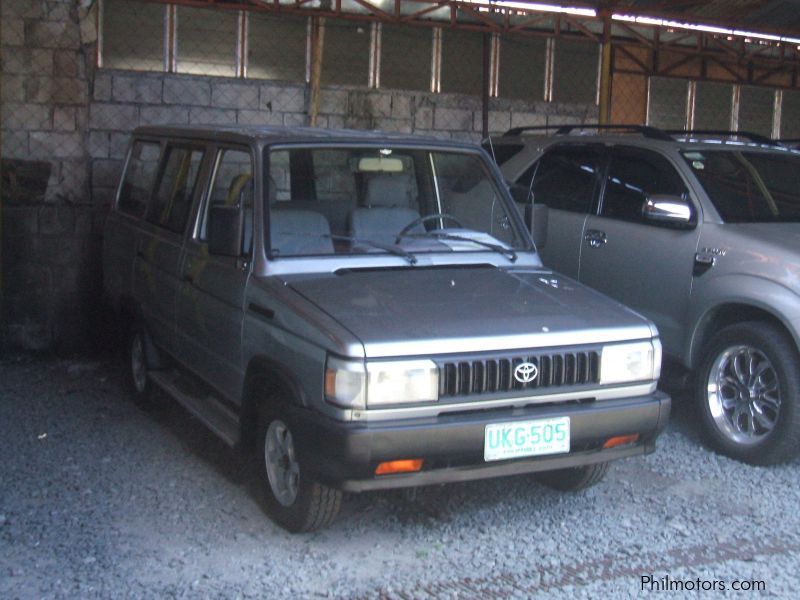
[(138, 181)]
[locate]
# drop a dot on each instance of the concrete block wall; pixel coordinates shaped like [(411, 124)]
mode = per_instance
[(65, 128)]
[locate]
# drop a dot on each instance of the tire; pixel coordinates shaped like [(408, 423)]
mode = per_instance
[(292, 500), (574, 479), (747, 391), (138, 366)]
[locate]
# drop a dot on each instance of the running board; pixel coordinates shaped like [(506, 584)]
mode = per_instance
[(205, 407)]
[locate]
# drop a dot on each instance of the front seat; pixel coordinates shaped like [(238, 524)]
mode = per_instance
[(388, 200)]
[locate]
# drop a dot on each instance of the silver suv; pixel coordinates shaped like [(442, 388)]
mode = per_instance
[(367, 310), (697, 230)]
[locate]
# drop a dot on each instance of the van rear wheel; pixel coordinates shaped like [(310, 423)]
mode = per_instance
[(141, 388), (292, 500)]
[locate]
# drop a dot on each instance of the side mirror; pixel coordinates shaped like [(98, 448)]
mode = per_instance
[(538, 224), (672, 211), (225, 230)]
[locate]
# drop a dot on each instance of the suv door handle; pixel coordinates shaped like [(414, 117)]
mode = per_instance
[(595, 237)]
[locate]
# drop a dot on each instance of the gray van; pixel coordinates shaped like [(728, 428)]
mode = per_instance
[(368, 311)]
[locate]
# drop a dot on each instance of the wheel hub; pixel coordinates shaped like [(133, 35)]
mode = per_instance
[(743, 394), (283, 470)]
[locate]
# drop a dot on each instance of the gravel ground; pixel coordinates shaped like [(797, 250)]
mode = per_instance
[(101, 499)]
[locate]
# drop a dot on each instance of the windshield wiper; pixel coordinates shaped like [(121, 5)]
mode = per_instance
[(396, 250), (507, 252)]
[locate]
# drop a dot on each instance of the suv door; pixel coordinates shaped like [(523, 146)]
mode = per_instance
[(159, 240), (210, 304), (566, 180), (647, 266)]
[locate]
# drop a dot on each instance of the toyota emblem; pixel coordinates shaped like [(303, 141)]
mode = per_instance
[(526, 372)]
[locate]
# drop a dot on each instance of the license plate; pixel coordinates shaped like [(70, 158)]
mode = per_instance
[(503, 441)]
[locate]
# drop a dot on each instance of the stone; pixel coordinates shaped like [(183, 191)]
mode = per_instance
[(137, 88), (52, 34), (51, 144), (12, 88), (234, 95), (60, 90), (68, 64), (120, 117), (12, 32), (99, 144), (183, 90), (25, 117), (259, 117), (332, 101), (499, 122), (423, 118), (64, 118), (402, 106), (102, 87), (25, 61), (283, 98), (118, 144), (452, 119)]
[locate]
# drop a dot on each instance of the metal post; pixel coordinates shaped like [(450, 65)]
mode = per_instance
[(605, 72), (317, 42), (777, 115)]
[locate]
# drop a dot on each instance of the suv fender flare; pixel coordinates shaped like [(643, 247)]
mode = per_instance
[(723, 302)]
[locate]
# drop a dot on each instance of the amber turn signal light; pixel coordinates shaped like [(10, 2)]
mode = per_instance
[(399, 466), (621, 440)]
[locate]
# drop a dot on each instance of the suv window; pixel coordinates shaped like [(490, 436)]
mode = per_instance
[(232, 186), (138, 181), (633, 175), (566, 178), (748, 187), (172, 199)]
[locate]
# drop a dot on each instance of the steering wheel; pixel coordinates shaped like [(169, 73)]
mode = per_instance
[(423, 220)]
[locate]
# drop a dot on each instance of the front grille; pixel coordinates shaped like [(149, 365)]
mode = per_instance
[(496, 375)]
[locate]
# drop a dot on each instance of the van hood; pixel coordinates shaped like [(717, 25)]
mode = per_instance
[(424, 311)]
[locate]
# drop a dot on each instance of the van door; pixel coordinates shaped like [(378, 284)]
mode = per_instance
[(159, 241), (210, 303)]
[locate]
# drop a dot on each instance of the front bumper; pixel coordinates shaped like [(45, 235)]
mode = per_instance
[(345, 455)]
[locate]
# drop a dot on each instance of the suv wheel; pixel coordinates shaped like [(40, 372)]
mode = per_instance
[(574, 479), (293, 501), (747, 391)]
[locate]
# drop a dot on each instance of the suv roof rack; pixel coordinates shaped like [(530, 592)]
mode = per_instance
[(753, 137), (565, 129)]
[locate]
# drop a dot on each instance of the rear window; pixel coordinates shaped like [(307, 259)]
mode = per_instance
[(137, 182)]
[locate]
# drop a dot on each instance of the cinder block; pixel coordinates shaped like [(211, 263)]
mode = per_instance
[(24, 61), (14, 144), (402, 105), (164, 115), (118, 144), (423, 118), (12, 88), (137, 88), (12, 31), (99, 144), (52, 34), (333, 102), (119, 117), (25, 117), (102, 87), (234, 95), (60, 90), (182, 90), (259, 117), (277, 98), (56, 11), (50, 144), (64, 118), (68, 64), (452, 119), (394, 125), (369, 105), (296, 120), (211, 116), (28, 9), (499, 122)]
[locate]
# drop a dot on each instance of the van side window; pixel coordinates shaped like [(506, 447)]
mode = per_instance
[(138, 180), (172, 199), (567, 178), (232, 186)]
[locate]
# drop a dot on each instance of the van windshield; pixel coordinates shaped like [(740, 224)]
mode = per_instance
[(749, 187), (398, 200)]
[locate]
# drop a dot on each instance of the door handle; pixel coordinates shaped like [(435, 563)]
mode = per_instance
[(595, 237)]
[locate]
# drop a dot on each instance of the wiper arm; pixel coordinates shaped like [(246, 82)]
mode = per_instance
[(396, 250), (507, 252)]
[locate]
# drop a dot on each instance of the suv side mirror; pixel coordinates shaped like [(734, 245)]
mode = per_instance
[(672, 211), (225, 230)]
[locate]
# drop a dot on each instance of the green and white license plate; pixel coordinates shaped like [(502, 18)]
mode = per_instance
[(539, 437)]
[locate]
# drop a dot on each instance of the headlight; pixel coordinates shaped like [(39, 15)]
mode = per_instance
[(350, 385), (623, 363), (345, 383), (402, 382)]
